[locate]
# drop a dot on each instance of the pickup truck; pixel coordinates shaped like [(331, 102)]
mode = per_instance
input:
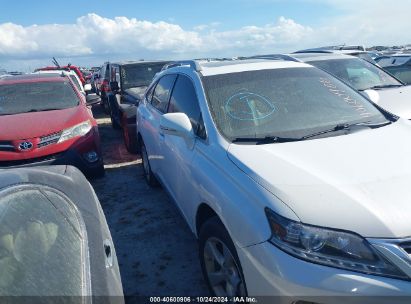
[(128, 83)]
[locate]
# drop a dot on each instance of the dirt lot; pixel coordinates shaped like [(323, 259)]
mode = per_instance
[(157, 252)]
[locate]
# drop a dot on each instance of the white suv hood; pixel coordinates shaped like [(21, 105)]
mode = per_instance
[(359, 182), (394, 100)]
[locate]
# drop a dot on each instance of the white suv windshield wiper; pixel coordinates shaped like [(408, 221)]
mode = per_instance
[(347, 126), (279, 139), (264, 140)]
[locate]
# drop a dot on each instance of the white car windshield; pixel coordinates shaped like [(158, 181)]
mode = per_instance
[(288, 102), (361, 74), (74, 79)]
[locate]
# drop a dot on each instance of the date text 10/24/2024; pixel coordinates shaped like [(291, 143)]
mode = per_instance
[(203, 300)]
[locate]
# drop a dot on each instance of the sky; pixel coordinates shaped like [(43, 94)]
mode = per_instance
[(88, 33)]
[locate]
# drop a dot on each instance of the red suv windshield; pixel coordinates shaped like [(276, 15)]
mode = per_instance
[(36, 96)]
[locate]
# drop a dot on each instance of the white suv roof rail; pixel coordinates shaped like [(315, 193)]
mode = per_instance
[(192, 63), (271, 57), (195, 63)]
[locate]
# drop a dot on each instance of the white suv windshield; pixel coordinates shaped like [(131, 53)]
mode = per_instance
[(291, 102)]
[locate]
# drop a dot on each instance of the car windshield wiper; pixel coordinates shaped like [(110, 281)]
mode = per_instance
[(265, 140), (41, 110), (383, 86), (279, 139), (341, 127), (30, 111)]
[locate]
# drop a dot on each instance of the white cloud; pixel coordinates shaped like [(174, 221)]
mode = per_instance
[(368, 22), (210, 26), (95, 38), (121, 37), (95, 35)]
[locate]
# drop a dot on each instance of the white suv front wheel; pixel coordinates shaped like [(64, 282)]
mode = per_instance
[(219, 261)]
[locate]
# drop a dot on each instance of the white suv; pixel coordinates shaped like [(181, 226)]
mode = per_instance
[(294, 183)]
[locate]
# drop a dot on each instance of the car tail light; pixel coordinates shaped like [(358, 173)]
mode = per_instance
[(104, 86)]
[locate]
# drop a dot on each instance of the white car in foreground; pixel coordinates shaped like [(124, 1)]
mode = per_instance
[(294, 183), (375, 83), (73, 76)]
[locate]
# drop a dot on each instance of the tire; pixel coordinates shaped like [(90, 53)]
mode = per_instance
[(219, 256), (97, 172), (129, 141), (114, 123), (148, 174), (106, 107)]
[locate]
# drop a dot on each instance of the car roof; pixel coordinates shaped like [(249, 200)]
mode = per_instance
[(208, 67), (71, 72), (32, 78), (333, 48), (395, 59), (131, 62), (58, 67), (395, 55), (314, 56)]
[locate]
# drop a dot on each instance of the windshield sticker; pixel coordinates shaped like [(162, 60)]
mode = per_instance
[(248, 106), (344, 96)]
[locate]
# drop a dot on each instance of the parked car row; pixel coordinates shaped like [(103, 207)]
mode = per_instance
[(120, 97), (291, 170)]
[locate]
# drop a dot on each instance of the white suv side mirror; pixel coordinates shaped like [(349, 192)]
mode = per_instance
[(178, 124)]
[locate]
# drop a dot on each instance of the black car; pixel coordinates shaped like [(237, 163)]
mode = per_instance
[(101, 83), (128, 83), (54, 238)]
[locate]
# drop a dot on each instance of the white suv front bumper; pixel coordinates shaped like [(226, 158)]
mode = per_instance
[(270, 272)]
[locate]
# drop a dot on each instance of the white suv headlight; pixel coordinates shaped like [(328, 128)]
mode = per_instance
[(334, 248), (78, 130)]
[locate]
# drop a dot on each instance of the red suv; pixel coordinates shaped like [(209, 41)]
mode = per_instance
[(44, 119)]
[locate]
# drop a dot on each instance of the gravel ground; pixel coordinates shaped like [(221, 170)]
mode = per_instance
[(156, 250)]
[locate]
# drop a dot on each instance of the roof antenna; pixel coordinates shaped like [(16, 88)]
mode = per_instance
[(55, 62)]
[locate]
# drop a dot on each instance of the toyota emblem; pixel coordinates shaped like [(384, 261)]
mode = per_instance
[(25, 145)]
